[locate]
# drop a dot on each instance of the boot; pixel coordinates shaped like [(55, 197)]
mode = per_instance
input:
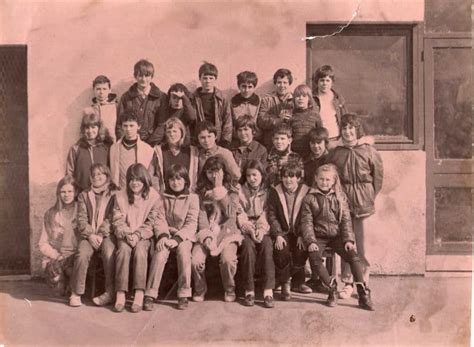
[(364, 297), (332, 297)]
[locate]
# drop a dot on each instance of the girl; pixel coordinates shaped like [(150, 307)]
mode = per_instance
[(93, 223), (173, 151), (217, 228), (361, 172), (92, 147), (330, 103), (257, 246), (181, 210), (58, 241), (305, 117), (137, 211)]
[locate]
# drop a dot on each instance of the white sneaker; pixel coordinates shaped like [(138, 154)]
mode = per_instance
[(75, 300), (103, 300), (346, 292)]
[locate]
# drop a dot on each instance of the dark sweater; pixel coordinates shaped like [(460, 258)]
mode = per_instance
[(301, 123)]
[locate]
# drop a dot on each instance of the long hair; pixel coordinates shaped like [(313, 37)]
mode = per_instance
[(303, 89), (106, 171), (91, 117), (176, 170), (140, 173), (257, 165), (176, 122), (51, 219), (213, 164)]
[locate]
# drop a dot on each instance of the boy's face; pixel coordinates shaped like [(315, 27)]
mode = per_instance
[(246, 90), (325, 84), (282, 85), (290, 182), (325, 180), (207, 83), (143, 81), (91, 132), (207, 140), (176, 100), (130, 129), (245, 134), (101, 92), (318, 148), (349, 133), (281, 142), (302, 101)]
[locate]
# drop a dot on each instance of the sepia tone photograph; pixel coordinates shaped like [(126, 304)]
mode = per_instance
[(236, 172)]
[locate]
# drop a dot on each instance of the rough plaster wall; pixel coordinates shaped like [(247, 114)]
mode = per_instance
[(69, 44)]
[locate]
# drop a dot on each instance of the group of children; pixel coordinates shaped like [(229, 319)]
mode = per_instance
[(264, 183)]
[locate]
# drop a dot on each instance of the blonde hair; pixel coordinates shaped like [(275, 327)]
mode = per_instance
[(176, 122), (303, 89)]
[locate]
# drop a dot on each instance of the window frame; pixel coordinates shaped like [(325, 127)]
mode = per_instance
[(415, 97)]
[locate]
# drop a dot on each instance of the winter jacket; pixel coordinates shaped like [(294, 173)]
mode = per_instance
[(218, 219), (226, 155), (277, 212), (144, 156), (361, 173), (181, 213), (326, 216), (158, 175), (92, 219), (254, 151), (254, 208), (269, 115), (81, 157), (241, 106), (146, 111), (145, 217), (223, 118), (338, 103), (301, 123), (107, 112), (275, 162), (311, 164)]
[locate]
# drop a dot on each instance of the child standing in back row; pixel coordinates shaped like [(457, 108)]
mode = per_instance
[(105, 103)]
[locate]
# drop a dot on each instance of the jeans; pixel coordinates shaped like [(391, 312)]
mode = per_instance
[(258, 255), (140, 264), (289, 262), (346, 274), (157, 267)]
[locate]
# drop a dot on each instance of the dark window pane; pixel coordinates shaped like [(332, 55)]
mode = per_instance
[(452, 97), (453, 215), (444, 16)]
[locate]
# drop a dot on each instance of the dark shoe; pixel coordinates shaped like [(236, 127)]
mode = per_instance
[(148, 303), (317, 286), (303, 289), (365, 301), (285, 292), (268, 301), (118, 308), (182, 303), (136, 308), (332, 297), (249, 300)]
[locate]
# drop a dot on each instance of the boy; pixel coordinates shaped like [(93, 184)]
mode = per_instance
[(246, 102), (281, 153), (144, 99), (105, 103), (212, 106), (276, 108), (331, 104), (247, 148), (128, 150), (318, 142), (284, 204), (207, 135), (326, 222)]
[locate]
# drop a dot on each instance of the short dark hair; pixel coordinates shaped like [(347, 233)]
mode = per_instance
[(283, 129), (247, 77), (143, 68), (291, 169), (101, 79), (324, 71), (179, 87), (206, 125), (317, 135), (245, 120), (281, 73), (353, 119), (177, 170), (208, 69), (129, 117)]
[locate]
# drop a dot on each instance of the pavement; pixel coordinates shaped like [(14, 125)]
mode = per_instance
[(410, 311)]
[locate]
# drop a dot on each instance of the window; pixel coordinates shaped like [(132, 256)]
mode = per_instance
[(377, 73)]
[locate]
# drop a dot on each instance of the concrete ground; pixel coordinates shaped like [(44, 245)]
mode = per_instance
[(414, 311)]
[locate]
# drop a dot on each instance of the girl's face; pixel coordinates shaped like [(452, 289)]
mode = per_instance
[(66, 194), (173, 135), (318, 148), (177, 184), (325, 180), (136, 186), (302, 101), (349, 133), (290, 182), (98, 178), (212, 175), (254, 178), (325, 84), (91, 132)]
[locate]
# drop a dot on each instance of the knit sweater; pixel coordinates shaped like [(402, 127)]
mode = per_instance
[(301, 123)]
